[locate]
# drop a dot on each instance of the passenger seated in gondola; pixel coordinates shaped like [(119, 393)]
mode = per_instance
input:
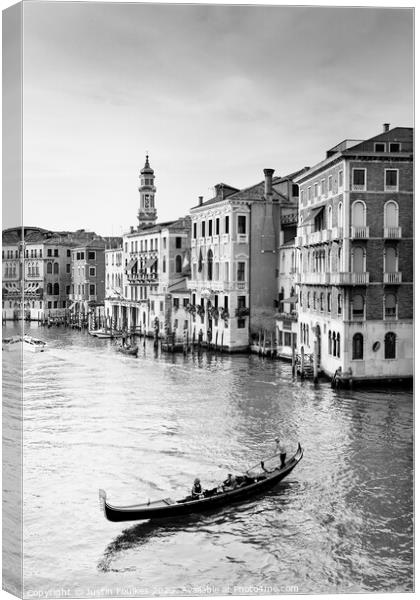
[(230, 483), (196, 491)]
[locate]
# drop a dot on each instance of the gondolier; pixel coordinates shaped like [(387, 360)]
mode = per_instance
[(281, 450)]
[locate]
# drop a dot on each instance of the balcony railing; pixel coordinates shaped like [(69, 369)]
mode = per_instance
[(392, 232), (391, 188), (393, 277), (349, 278), (336, 233), (315, 237), (314, 278), (93, 297), (242, 238), (360, 233), (357, 187)]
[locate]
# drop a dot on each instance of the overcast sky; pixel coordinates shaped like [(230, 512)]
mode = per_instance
[(213, 93)]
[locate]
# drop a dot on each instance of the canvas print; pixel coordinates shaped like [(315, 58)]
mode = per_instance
[(207, 299)]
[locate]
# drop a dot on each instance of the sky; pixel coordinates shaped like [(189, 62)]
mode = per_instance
[(212, 93)]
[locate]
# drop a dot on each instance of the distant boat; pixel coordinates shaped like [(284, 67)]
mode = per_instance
[(129, 350), (26, 342), (104, 333), (255, 481)]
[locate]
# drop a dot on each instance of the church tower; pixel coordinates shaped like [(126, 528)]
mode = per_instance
[(147, 213)]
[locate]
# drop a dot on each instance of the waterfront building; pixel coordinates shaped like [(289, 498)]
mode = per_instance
[(355, 265), (287, 326), (88, 275), (37, 279), (234, 256), (155, 261)]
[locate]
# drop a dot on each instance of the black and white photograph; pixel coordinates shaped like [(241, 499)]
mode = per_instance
[(207, 299)]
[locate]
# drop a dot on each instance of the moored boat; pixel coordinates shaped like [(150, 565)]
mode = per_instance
[(129, 350), (33, 344), (12, 343), (255, 481)]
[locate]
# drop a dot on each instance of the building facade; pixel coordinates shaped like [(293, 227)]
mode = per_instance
[(355, 258), (234, 260)]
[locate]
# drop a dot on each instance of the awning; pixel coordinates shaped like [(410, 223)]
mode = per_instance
[(131, 264), (291, 300), (312, 215), (150, 262)]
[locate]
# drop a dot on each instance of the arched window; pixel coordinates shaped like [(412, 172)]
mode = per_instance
[(358, 214), (340, 215), (301, 333), (339, 260), (338, 345), (55, 268), (329, 302), (49, 267), (358, 307), (281, 298), (390, 303), (314, 300), (49, 289), (390, 259), (391, 214), (56, 289), (357, 346), (308, 301), (390, 339), (329, 218), (210, 265), (164, 264), (358, 260), (339, 304), (178, 264), (321, 301), (329, 342), (334, 340)]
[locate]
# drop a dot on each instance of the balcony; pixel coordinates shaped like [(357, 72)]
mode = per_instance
[(314, 278), (392, 233), (358, 187), (288, 317), (393, 278), (224, 238), (349, 278), (93, 297), (326, 235), (314, 237), (360, 233), (391, 188), (242, 238)]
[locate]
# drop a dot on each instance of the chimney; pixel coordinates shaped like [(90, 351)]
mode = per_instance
[(268, 184), (386, 127), (200, 200), (131, 229)]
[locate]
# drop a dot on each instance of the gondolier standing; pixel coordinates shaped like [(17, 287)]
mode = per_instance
[(281, 450)]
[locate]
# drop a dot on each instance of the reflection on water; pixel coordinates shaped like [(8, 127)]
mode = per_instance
[(144, 428)]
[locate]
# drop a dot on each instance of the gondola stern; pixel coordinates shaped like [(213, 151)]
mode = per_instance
[(102, 500)]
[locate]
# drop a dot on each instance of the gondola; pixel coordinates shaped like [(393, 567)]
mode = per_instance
[(129, 350), (255, 481)]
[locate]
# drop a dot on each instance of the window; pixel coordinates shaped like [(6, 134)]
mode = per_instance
[(55, 268), (178, 263), (241, 323), (194, 231), (49, 289), (178, 242), (316, 190), (217, 226), (358, 307), (82, 256), (359, 179), (329, 302), (92, 271), (241, 271), (339, 304), (164, 264), (56, 289), (390, 260), (68, 268), (390, 303), (391, 214), (203, 228), (358, 214), (210, 227), (358, 346), (323, 187), (210, 265), (49, 252), (380, 147), (330, 183), (390, 339), (226, 302), (227, 224), (92, 289), (329, 217), (340, 179), (302, 196), (338, 345), (329, 342), (391, 180), (394, 147), (241, 224), (49, 267), (340, 215), (358, 259), (295, 190), (176, 303), (68, 252), (321, 301), (308, 300)]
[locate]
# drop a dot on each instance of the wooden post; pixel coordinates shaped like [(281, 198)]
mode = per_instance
[(264, 342), (293, 356), (316, 360), (217, 335), (221, 344), (302, 362)]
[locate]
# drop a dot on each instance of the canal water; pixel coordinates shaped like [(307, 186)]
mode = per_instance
[(144, 428)]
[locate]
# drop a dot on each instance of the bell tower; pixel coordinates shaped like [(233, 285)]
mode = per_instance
[(147, 214)]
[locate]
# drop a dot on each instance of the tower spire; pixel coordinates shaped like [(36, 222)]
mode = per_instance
[(147, 214)]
